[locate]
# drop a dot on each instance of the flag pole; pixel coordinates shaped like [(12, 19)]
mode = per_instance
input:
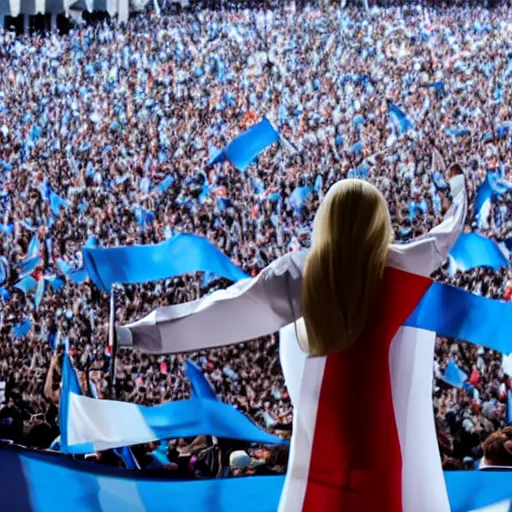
[(112, 343)]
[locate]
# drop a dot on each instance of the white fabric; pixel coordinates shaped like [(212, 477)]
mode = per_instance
[(14, 7), (106, 423), (123, 10), (40, 6), (411, 360), (304, 420)]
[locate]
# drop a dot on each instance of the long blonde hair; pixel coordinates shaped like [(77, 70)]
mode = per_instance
[(350, 242)]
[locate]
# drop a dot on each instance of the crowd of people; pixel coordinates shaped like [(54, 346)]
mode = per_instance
[(107, 132)]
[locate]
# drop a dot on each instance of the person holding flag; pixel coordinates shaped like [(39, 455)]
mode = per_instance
[(340, 307)]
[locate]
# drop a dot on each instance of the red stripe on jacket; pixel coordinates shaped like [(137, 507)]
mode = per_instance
[(356, 463)]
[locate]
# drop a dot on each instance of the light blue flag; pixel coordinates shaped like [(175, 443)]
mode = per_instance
[(492, 188), (28, 266), (33, 248), (38, 297), (143, 216), (182, 254), (32, 259), (244, 149), (55, 282), (26, 285), (457, 132), (165, 184), (454, 376), (126, 424), (217, 156), (56, 203), (30, 479), (21, 330), (91, 242), (4, 294), (201, 388), (399, 118), (77, 276), (357, 148), (299, 197), (3, 269), (455, 313), (319, 184), (126, 455), (473, 250), (69, 384)]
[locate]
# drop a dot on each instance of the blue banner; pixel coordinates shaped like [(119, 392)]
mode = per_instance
[(399, 118), (243, 150), (180, 255), (172, 420), (77, 276), (44, 482), (454, 376), (200, 386), (473, 250), (455, 313)]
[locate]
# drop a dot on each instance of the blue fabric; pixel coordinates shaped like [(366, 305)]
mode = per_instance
[(458, 132), (242, 150), (39, 293), (454, 376), (42, 482), (173, 420), (472, 490), (30, 480), (494, 186), (126, 455), (438, 86), (28, 266), (165, 184), (56, 203), (454, 313), (26, 285), (180, 255), (69, 385), (200, 386), (200, 416), (217, 156), (509, 407), (399, 118), (3, 271), (299, 197), (21, 330), (77, 276), (33, 248), (473, 250)]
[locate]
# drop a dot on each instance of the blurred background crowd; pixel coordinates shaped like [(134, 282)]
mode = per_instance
[(115, 120)]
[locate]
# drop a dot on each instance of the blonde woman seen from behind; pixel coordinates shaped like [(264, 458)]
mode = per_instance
[(363, 429), (344, 268)]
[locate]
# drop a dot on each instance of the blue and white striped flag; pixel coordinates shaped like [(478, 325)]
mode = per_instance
[(124, 424)]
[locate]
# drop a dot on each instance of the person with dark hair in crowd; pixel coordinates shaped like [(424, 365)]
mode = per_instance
[(498, 451)]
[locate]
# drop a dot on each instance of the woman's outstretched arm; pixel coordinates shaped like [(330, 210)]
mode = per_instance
[(426, 254), (246, 310)]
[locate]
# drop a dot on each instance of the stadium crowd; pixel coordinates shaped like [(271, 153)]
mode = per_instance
[(102, 117)]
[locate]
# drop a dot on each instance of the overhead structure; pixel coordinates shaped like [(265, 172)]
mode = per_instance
[(72, 8)]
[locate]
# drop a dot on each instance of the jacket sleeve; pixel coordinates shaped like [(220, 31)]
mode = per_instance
[(426, 254), (246, 310)]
